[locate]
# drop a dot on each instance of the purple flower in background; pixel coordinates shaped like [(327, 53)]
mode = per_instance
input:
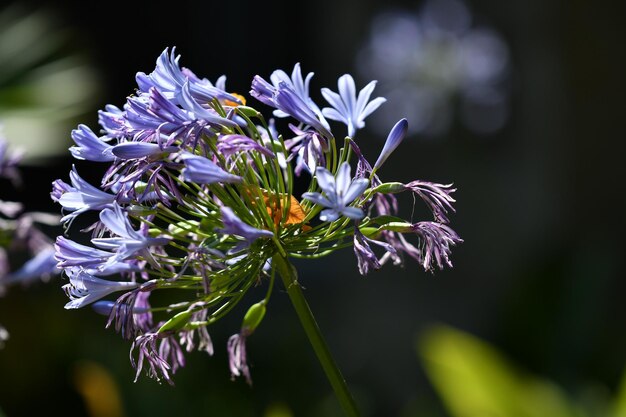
[(89, 146), (10, 208), (85, 288), (338, 193), (347, 107), (41, 266), (442, 65), (9, 160)]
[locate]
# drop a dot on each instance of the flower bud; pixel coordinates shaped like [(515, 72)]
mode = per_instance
[(254, 316), (248, 111), (390, 188), (177, 322), (397, 134)]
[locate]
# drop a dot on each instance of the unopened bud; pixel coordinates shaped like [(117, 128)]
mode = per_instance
[(254, 316)]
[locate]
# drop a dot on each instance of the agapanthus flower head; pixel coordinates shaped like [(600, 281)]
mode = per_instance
[(199, 200)]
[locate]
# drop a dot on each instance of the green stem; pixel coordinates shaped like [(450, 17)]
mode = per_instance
[(290, 280)]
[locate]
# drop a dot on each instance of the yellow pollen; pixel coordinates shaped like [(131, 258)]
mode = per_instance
[(233, 103)]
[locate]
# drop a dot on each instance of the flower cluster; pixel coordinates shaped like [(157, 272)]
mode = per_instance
[(20, 235), (197, 198)]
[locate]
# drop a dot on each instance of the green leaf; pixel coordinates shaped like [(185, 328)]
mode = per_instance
[(474, 380)]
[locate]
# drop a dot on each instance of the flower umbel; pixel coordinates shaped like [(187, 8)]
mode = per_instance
[(198, 200)]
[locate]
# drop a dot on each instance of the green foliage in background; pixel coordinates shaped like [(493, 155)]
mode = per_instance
[(473, 379), (45, 83)]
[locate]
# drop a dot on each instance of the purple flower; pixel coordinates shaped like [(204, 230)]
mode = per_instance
[(137, 150), (347, 107), (131, 312), (169, 79), (127, 241), (201, 170), (233, 225), (157, 356), (309, 146), (299, 85), (113, 121), (154, 118), (203, 112), (366, 258), (237, 359), (85, 288), (129, 319), (80, 196), (151, 117), (436, 196), (284, 98), (339, 193), (204, 339), (435, 240), (89, 146), (229, 145), (396, 135), (94, 261)]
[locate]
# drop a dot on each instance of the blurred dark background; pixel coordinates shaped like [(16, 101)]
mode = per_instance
[(539, 204)]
